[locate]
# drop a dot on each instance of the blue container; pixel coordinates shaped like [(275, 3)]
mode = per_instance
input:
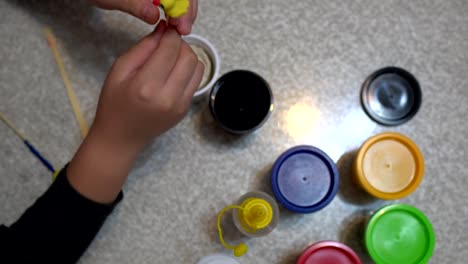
[(304, 179)]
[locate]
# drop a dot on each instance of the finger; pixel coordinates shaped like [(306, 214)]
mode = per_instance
[(142, 9), (194, 11), (193, 84), (174, 22), (184, 23), (160, 64), (136, 56), (182, 72)]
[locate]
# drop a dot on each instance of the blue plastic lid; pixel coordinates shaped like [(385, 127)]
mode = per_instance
[(304, 179)]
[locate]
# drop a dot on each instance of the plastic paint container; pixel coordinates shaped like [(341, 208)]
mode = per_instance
[(329, 252), (304, 179), (208, 55), (256, 214), (218, 259), (399, 233), (389, 166), (391, 96), (241, 101), (259, 216)]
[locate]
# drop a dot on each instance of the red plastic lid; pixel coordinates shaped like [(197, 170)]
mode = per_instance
[(329, 252)]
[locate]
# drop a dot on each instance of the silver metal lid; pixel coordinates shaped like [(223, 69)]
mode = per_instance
[(391, 96)]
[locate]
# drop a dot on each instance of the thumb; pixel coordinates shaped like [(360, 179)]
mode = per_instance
[(142, 9), (136, 56)]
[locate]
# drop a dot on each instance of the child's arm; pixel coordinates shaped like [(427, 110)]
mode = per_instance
[(148, 91)]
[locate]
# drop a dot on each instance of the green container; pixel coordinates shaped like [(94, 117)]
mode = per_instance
[(399, 234)]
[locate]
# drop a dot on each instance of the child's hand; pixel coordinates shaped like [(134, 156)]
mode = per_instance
[(148, 12), (148, 90), (142, 9), (184, 24)]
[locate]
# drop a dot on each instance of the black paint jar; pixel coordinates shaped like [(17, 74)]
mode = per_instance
[(241, 101)]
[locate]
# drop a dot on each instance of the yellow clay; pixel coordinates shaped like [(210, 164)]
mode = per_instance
[(175, 8)]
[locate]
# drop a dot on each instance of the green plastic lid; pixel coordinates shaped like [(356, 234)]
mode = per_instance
[(401, 234)]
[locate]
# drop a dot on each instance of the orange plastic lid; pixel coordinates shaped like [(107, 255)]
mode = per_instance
[(389, 166)]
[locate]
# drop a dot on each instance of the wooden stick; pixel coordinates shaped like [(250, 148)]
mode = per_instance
[(12, 127), (71, 94)]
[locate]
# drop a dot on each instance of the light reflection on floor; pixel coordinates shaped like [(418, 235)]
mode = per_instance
[(302, 123)]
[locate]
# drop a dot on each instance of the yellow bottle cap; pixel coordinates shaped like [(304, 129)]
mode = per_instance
[(389, 166), (257, 214)]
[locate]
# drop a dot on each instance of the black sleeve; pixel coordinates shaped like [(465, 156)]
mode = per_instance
[(56, 229)]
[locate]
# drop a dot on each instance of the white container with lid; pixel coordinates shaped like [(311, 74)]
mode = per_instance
[(208, 55), (218, 259)]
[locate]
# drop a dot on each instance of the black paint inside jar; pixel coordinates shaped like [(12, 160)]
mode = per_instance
[(241, 101)]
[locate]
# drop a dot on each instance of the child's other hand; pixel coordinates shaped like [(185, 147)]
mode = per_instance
[(148, 91), (142, 9), (184, 24), (148, 12)]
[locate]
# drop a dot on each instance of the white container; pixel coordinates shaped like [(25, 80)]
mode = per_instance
[(213, 69), (218, 259)]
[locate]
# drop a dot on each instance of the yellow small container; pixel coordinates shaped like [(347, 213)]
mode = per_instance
[(389, 166)]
